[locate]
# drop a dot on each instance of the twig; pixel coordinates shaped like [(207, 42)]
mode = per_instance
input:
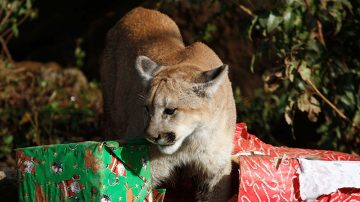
[(306, 4), (244, 9), (1, 12), (9, 30), (7, 16), (320, 32), (7, 39), (5, 49), (342, 115)]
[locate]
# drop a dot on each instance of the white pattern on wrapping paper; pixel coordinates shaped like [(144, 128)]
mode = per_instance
[(243, 183), (282, 177), (259, 166), (247, 183), (250, 153), (344, 200), (266, 194), (277, 196), (347, 199), (338, 197), (120, 168), (28, 166), (286, 161), (288, 175), (253, 166), (254, 188), (267, 168), (65, 189), (255, 185), (239, 141), (283, 197), (75, 187), (245, 197), (263, 181), (114, 164), (248, 172), (277, 186)]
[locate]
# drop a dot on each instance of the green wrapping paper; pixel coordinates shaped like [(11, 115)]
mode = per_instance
[(87, 171)]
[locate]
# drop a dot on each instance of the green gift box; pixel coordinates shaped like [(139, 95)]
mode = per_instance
[(86, 171)]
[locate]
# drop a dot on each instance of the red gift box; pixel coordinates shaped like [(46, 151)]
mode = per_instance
[(269, 173)]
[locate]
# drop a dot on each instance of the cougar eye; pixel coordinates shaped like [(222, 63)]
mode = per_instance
[(169, 111)]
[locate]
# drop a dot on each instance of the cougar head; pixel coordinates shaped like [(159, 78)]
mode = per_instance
[(176, 101)]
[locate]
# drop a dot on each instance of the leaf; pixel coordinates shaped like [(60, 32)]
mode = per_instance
[(28, 4), (8, 139), (263, 21), (323, 129), (26, 118), (288, 18), (337, 15), (15, 29), (22, 11), (348, 99), (312, 44), (290, 66), (356, 119), (309, 104), (347, 4), (272, 22), (253, 57), (304, 71), (289, 112), (272, 81)]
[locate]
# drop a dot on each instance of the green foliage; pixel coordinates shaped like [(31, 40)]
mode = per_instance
[(43, 104), (12, 14), (79, 53), (315, 68)]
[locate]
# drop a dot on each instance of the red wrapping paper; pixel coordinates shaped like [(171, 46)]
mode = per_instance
[(269, 173)]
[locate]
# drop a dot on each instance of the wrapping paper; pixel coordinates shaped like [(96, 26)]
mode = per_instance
[(87, 171), (269, 173)]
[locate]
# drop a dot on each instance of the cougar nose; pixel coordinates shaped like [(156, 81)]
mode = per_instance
[(154, 137), (157, 138)]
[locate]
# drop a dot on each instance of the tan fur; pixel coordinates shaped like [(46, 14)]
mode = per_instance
[(204, 121)]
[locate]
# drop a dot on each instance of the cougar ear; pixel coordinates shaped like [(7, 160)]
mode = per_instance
[(146, 68), (213, 79)]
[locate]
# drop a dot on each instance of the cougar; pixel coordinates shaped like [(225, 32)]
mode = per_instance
[(177, 97)]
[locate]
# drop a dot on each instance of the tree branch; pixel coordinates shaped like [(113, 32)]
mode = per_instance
[(244, 9), (342, 115), (5, 49)]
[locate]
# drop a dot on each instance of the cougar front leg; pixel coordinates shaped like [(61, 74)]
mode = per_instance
[(215, 185)]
